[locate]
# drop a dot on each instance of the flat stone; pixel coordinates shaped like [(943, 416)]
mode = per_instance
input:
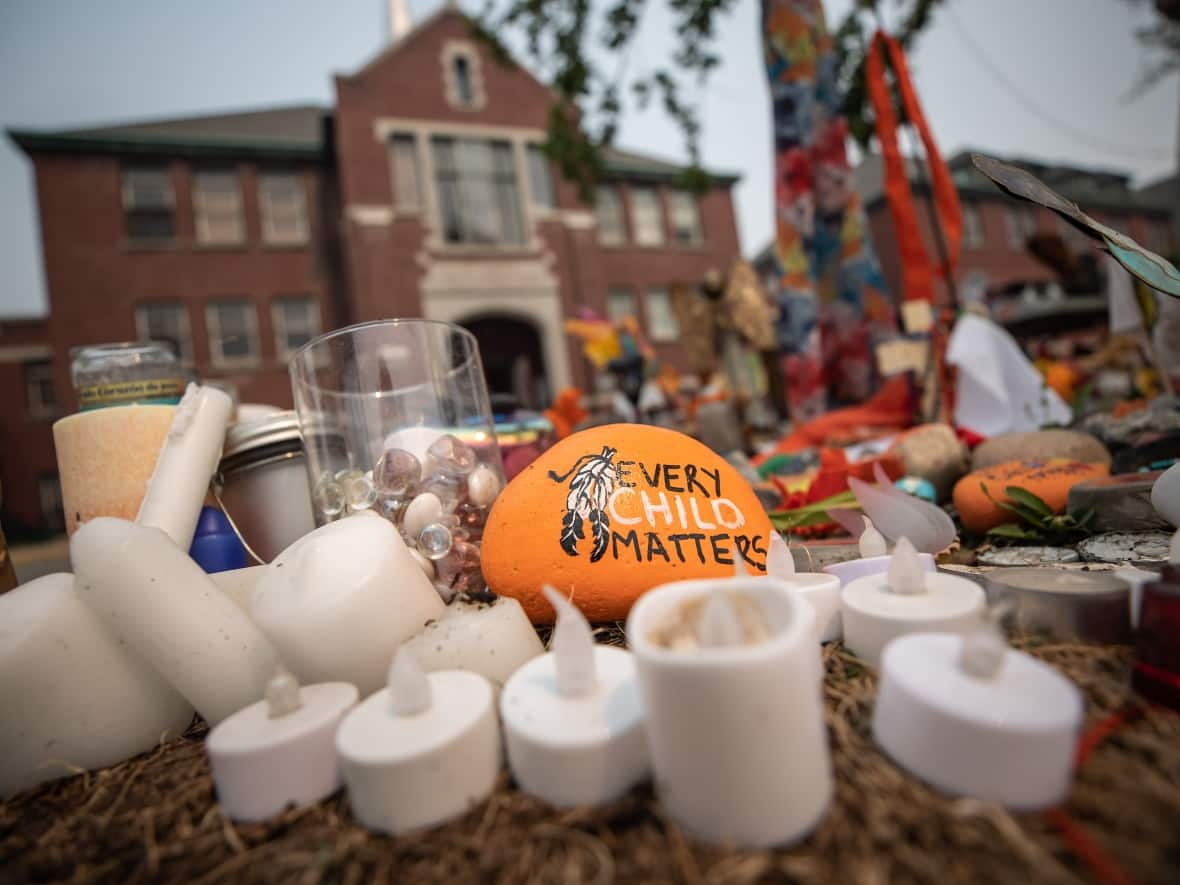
[(1136, 548), (1013, 556), (1039, 445), (1120, 503)]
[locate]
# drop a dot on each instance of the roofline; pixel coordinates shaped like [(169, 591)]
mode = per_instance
[(716, 177), (33, 141), (998, 196)]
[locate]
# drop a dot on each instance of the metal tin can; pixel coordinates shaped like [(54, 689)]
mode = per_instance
[(1067, 604), (264, 488), (142, 372)]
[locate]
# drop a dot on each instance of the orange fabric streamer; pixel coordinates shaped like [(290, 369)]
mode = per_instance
[(917, 270)]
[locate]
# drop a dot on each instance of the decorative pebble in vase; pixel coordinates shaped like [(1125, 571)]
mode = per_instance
[(396, 422)]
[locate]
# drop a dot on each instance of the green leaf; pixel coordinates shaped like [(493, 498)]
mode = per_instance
[(812, 514), (1014, 531), (1027, 499)]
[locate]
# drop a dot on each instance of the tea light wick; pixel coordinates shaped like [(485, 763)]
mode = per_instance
[(719, 625), (282, 694), (871, 542), (409, 688), (905, 574), (984, 648), (573, 648), (780, 562)]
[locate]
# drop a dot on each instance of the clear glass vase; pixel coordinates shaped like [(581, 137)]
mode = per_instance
[(396, 420)]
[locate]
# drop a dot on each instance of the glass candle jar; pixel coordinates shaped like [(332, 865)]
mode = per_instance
[(396, 419), (144, 372)]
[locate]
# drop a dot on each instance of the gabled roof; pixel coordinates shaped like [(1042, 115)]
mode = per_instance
[(295, 132), (634, 166)]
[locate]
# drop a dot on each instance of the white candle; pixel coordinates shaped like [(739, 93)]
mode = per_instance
[(239, 583), (573, 718), (821, 591), (873, 559), (735, 732), (187, 462), (905, 599), (74, 696), (422, 751), (990, 723), (281, 750), (339, 601), (491, 639), (155, 598)]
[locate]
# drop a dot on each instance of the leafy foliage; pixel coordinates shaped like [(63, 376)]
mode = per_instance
[(812, 514), (560, 37), (1038, 521)]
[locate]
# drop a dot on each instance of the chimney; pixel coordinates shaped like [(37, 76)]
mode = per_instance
[(399, 18)]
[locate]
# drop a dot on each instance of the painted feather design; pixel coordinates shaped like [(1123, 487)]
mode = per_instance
[(589, 494)]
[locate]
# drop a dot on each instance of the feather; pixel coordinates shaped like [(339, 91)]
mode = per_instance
[(850, 520), (571, 530), (598, 526), (897, 515)]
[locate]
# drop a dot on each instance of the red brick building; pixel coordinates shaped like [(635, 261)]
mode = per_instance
[(422, 192)]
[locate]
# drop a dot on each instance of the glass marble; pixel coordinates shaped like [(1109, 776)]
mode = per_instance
[(434, 541), (451, 456), (360, 493), (329, 498), (397, 473)]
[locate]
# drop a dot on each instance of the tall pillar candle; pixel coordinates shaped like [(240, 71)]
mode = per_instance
[(727, 671), (105, 458), (339, 601), (154, 597), (188, 460), (74, 697)]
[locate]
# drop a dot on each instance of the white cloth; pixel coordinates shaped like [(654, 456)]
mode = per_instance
[(999, 390)]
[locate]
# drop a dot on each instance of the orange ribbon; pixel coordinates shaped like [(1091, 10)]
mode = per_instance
[(917, 270)]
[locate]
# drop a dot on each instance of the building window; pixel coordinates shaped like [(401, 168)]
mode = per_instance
[(620, 304), (282, 202), (540, 178), (608, 206), (53, 515), (462, 77), (148, 204), (217, 208), (1021, 225), (479, 202), (647, 219), (296, 321), (233, 333), (407, 185), (662, 324), (686, 219), (973, 234), (168, 322), (40, 395)]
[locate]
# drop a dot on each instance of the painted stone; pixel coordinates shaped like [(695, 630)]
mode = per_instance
[(1039, 445), (610, 512), (1050, 480), (934, 453)]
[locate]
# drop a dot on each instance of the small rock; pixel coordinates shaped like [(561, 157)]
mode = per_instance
[(1040, 445), (1120, 503), (935, 454), (1009, 556)]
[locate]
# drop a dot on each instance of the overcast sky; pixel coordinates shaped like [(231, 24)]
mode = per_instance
[(67, 63)]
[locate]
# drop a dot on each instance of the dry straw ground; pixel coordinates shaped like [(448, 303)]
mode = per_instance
[(154, 819)]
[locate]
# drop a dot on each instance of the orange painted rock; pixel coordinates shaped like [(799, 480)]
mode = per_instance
[(1049, 480), (610, 512)]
